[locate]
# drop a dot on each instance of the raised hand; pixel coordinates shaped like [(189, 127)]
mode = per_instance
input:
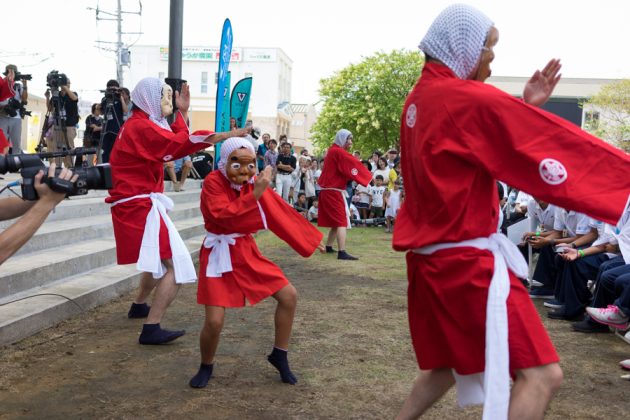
[(183, 100), (540, 86), (262, 182)]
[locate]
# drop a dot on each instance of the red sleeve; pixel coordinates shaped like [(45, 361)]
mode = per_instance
[(157, 144), (5, 91), (4, 143), (544, 155), (289, 225), (235, 216), (352, 168)]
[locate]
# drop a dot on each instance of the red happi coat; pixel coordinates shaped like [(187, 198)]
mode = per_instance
[(137, 164), (339, 168), (253, 277), (457, 137)]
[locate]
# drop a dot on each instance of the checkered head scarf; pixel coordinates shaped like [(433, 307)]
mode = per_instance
[(147, 96), (227, 147), (456, 38), (342, 137)]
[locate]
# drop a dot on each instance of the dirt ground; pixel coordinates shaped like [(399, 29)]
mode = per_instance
[(350, 349)]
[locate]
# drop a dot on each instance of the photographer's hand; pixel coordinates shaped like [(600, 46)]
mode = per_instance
[(43, 190), (21, 231)]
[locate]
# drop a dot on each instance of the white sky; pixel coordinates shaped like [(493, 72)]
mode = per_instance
[(320, 36)]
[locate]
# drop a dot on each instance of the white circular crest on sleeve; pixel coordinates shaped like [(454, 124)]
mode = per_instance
[(167, 158), (552, 171), (410, 117), (354, 171)]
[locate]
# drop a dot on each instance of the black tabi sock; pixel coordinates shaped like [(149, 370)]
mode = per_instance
[(200, 380), (278, 358), (330, 249), (343, 255), (153, 334)]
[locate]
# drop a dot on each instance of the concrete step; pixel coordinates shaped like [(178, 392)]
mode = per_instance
[(40, 268), (65, 232), (90, 206), (23, 318)]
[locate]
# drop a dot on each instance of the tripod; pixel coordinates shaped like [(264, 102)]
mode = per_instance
[(109, 114), (60, 132)]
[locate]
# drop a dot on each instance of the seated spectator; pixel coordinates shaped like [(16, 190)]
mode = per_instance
[(572, 293), (313, 212), (178, 171), (301, 206), (376, 197), (541, 215), (576, 226)]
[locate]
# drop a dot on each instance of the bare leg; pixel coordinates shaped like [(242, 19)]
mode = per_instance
[(285, 312), (341, 238), (428, 388), (388, 224), (170, 170), (210, 333), (185, 171), (332, 235), (164, 294), (533, 390), (147, 284)]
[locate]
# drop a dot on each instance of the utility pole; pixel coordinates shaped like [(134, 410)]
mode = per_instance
[(120, 49), (176, 25), (119, 46)]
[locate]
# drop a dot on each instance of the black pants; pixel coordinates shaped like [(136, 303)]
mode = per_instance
[(573, 290), (609, 287), (108, 145), (548, 267)]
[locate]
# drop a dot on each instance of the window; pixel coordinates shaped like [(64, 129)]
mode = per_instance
[(591, 120), (204, 82)]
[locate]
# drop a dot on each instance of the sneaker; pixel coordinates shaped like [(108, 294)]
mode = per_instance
[(553, 304), (541, 294), (625, 337), (625, 364), (587, 325), (343, 255), (562, 315), (535, 283), (609, 316)]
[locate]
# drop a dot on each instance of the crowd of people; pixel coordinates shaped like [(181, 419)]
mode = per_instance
[(580, 269)]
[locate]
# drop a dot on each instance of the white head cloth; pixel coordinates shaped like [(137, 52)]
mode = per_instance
[(227, 147), (147, 95), (456, 38), (342, 137)]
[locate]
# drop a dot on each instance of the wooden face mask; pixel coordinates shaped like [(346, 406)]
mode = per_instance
[(167, 100), (240, 166)]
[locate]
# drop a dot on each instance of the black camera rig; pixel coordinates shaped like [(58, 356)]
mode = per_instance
[(98, 177)]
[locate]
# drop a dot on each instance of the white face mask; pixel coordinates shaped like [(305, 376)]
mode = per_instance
[(167, 100)]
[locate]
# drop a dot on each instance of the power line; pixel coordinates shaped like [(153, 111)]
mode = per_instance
[(123, 56)]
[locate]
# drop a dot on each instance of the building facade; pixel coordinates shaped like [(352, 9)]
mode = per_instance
[(270, 69)]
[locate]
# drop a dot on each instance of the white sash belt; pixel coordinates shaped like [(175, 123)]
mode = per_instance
[(219, 261), (149, 258), (492, 387), (344, 194)]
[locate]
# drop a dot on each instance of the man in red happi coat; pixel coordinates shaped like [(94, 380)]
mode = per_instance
[(471, 319), (339, 168)]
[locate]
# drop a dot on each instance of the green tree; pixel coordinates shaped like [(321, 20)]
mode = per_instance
[(608, 114), (367, 98)]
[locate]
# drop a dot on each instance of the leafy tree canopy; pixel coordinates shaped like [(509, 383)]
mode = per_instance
[(611, 106), (367, 98)]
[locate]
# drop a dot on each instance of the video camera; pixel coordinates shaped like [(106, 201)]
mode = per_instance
[(98, 177), (54, 79), (20, 76), (111, 93)]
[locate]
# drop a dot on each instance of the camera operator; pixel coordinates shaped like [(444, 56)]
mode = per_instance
[(10, 89), (114, 106), (64, 130), (93, 127), (21, 231)]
